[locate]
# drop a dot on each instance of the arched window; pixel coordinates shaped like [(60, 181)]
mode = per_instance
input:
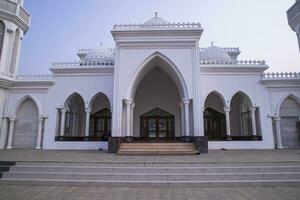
[(15, 52), (2, 31)]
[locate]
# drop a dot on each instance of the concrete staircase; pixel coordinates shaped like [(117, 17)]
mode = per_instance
[(157, 148), (4, 166), (141, 174)]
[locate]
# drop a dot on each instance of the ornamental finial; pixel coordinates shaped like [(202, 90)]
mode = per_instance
[(156, 14)]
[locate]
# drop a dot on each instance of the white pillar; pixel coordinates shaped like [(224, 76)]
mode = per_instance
[(253, 121), (186, 117), (128, 108), (62, 121), (182, 118), (3, 132), (39, 134), (131, 118), (278, 132), (10, 133), (227, 117), (87, 121)]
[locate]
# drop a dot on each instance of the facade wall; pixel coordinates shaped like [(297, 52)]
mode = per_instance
[(228, 85), (87, 87)]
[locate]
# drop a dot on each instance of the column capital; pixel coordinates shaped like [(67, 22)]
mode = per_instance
[(12, 119), (40, 119), (277, 118), (132, 105), (227, 109), (186, 101), (63, 110), (127, 102), (88, 110), (252, 108)]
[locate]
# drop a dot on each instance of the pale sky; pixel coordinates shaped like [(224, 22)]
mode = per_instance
[(60, 27)]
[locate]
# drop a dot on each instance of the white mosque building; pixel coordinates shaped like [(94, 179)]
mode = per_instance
[(157, 84)]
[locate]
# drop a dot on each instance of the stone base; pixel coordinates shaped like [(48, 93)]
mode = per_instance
[(201, 143), (114, 143)]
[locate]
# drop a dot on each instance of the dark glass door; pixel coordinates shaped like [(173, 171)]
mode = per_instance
[(157, 125)]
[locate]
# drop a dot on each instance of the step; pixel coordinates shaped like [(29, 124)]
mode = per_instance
[(158, 163), (128, 183), (157, 149), (152, 176), (152, 169)]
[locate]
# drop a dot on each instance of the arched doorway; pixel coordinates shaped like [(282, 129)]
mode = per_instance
[(75, 117), (214, 117), (290, 123), (26, 127), (100, 118), (159, 87), (244, 118)]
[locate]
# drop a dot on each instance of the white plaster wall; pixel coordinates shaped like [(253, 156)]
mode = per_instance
[(87, 87), (229, 84), (156, 90)]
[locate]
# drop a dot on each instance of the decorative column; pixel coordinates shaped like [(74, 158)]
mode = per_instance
[(11, 132), (227, 116), (39, 134), (87, 122), (253, 122), (128, 116), (182, 118), (131, 119), (186, 117), (278, 132), (62, 122), (3, 130)]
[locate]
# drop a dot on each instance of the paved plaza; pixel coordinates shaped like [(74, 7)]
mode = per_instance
[(21, 192), (102, 193)]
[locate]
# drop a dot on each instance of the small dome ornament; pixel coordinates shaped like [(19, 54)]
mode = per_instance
[(100, 54), (214, 53), (156, 21)]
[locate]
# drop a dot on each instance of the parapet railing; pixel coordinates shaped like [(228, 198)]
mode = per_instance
[(281, 75), (227, 49), (83, 51), (168, 25), (82, 64), (233, 62), (34, 77)]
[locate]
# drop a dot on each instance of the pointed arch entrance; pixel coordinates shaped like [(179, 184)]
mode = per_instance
[(158, 84), (26, 125), (290, 122)]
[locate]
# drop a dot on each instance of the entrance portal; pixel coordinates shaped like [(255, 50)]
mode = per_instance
[(157, 124)]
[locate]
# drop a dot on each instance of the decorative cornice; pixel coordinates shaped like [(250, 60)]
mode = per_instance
[(232, 69), (31, 84), (5, 83), (71, 71), (14, 19)]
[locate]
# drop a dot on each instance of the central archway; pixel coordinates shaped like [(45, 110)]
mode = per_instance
[(158, 84)]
